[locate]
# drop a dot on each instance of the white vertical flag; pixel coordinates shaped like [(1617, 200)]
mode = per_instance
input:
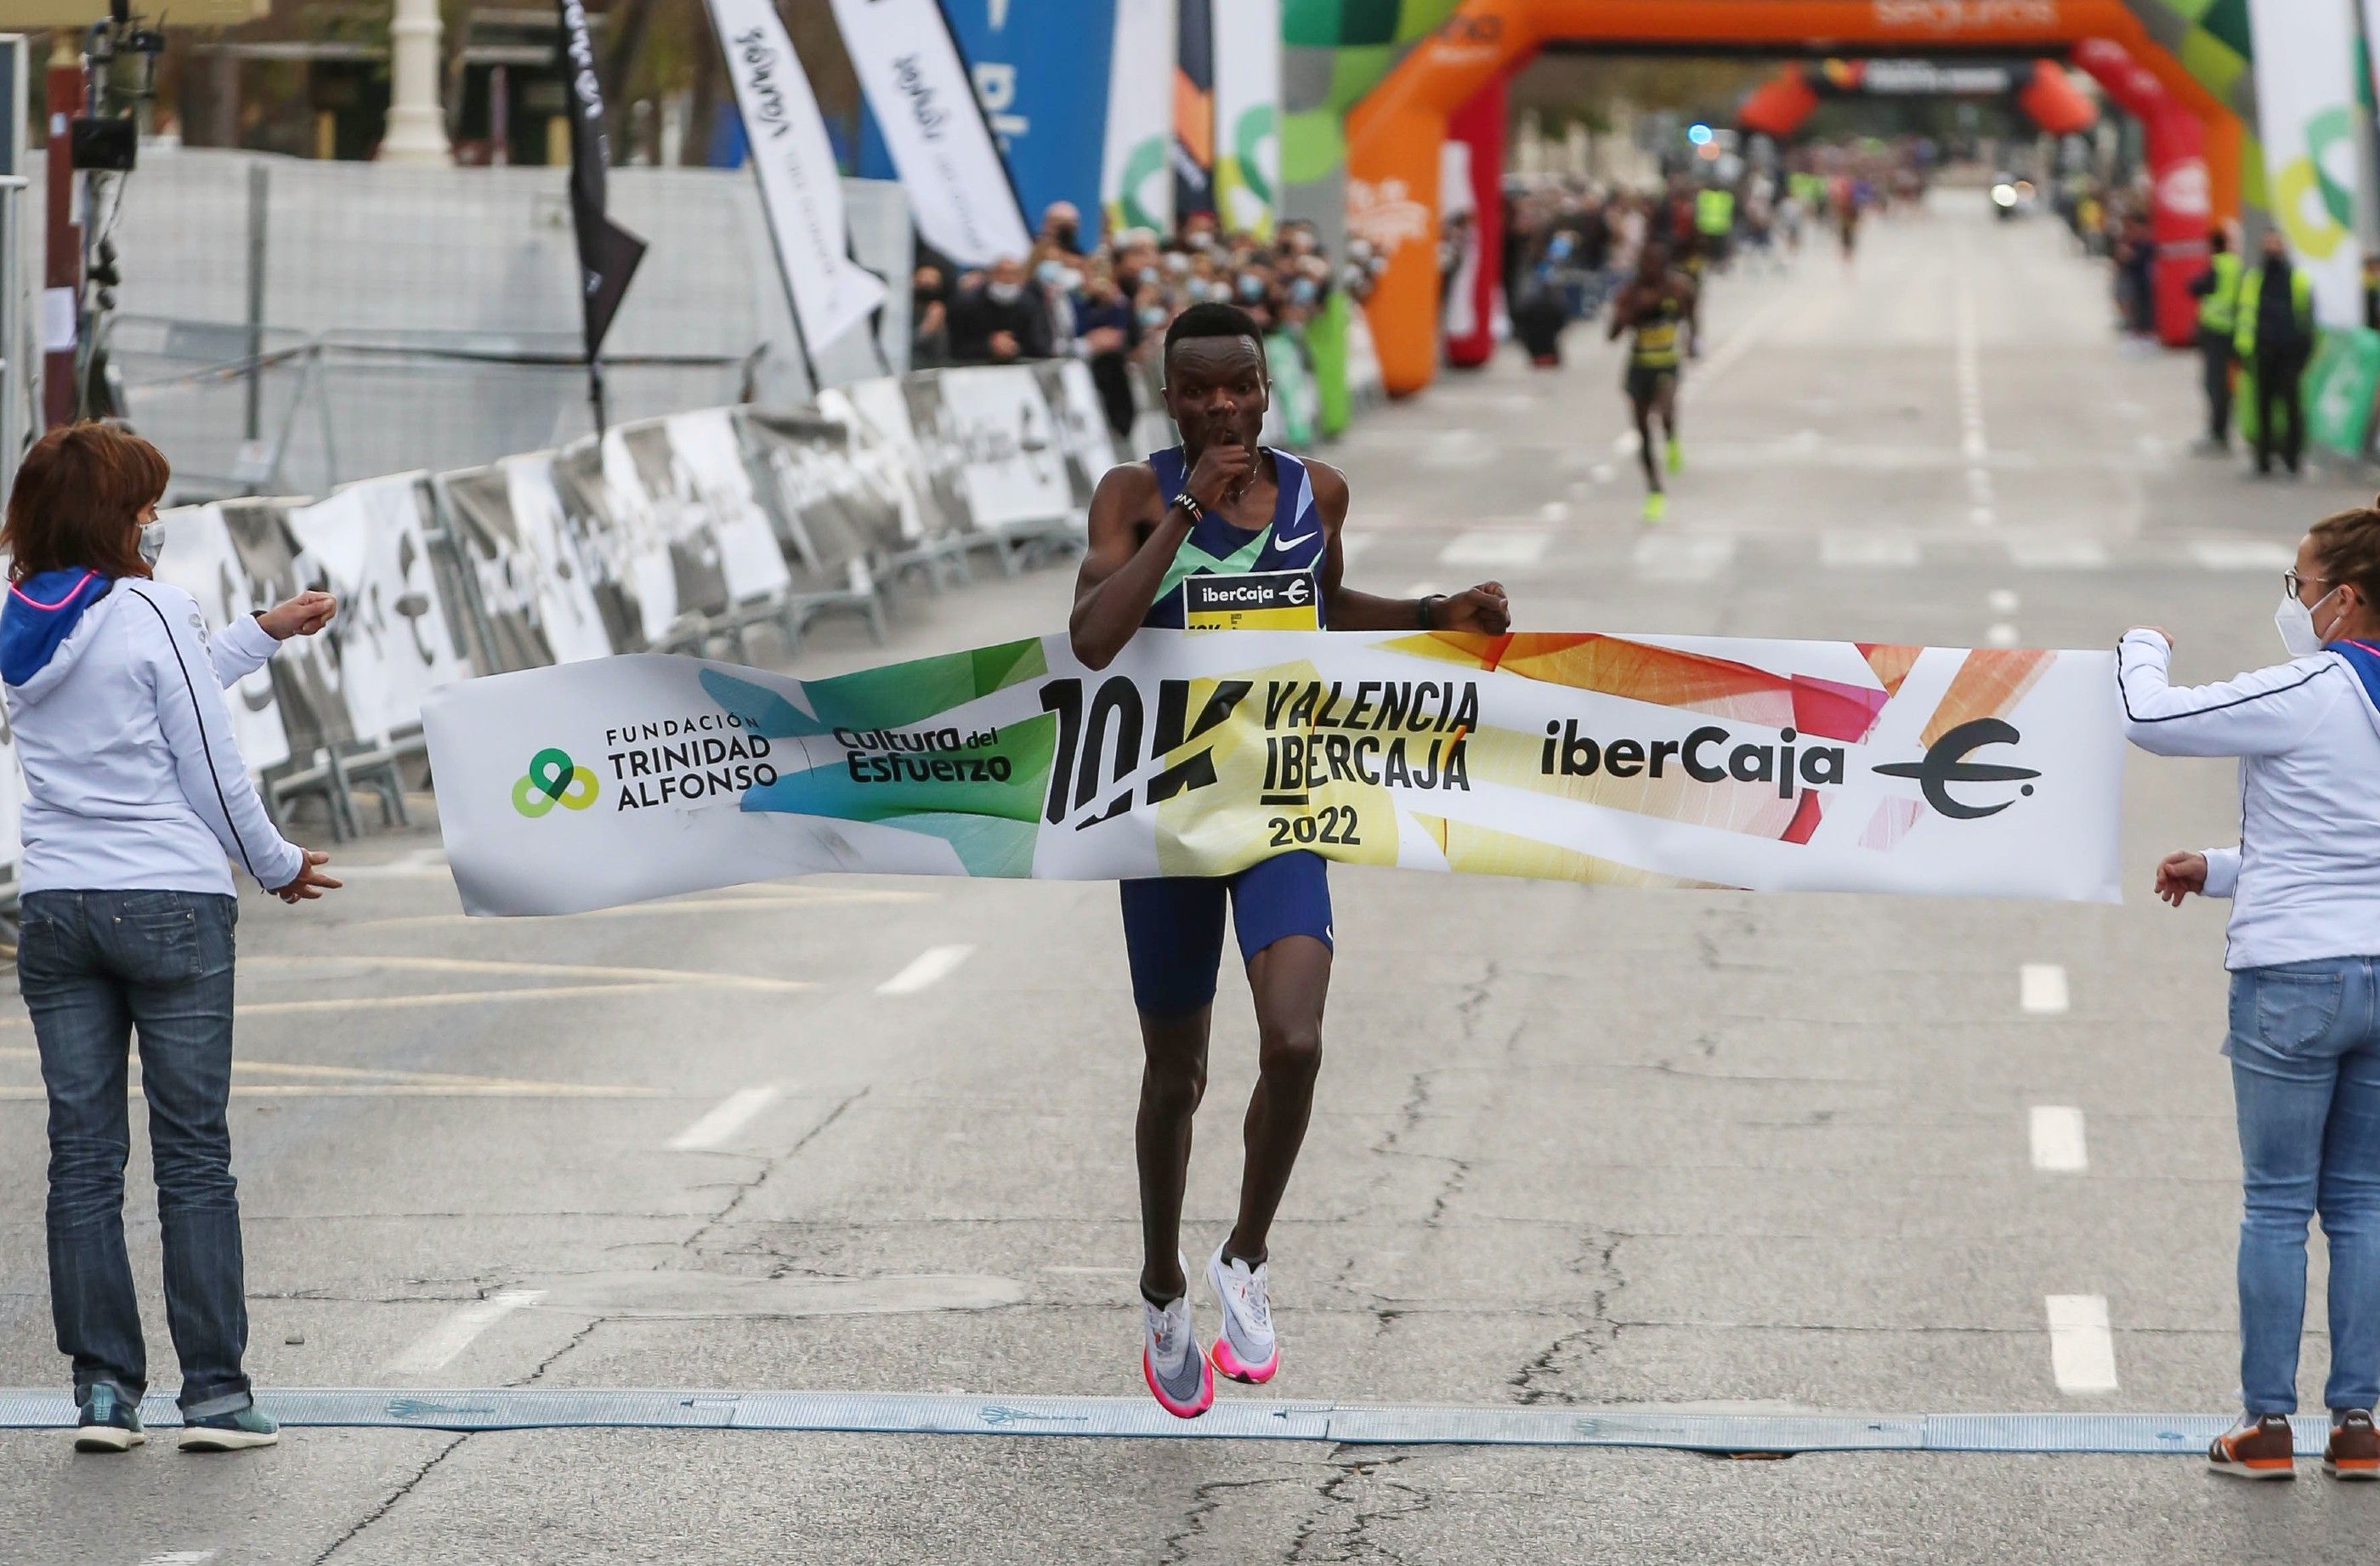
[(917, 88), (2305, 102), (799, 185), (1137, 170), (1247, 114)]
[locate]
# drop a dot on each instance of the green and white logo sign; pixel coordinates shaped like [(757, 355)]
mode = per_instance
[(553, 779)]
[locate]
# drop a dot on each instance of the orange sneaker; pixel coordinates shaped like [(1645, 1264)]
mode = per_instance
[(2354, 1449), (2260, 1447)]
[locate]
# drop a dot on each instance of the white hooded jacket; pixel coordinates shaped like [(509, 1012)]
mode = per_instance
[(132, 777), (2304, 880)]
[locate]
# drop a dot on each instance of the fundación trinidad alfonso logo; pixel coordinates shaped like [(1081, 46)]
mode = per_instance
[(553, 779)]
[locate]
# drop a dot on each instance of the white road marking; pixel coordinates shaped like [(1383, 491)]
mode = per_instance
[(934, 965), (2082, 1352), (1867, 552), (1683, 557), (1495, 548), (1352, 545), (528, 970), (2241, 554), (2057, 1144), (435, 1348), (2000, 634), (178, 1558), (2058, 554), (1554, 511), (2041, 988), (1457, 449), (731, 1115), (1974, 444), (1602, 472), (2001, 600), (729, 901)]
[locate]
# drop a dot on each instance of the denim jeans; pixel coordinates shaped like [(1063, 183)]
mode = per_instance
[(93, 967), (2305, 1070)]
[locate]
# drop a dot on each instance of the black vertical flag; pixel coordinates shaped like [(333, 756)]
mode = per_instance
[(607, 253)]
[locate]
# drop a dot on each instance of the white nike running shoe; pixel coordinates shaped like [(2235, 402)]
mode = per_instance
[(1176, 1372), (1245, 1349)]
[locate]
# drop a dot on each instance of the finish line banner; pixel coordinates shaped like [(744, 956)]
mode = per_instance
[(1689, 761)]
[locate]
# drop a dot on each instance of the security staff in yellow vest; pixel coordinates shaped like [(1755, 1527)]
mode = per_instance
[(2274, 339), (2218, 316), (1715, 224)]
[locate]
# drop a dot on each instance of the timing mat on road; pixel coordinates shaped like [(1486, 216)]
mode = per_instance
[(1231, 1419)]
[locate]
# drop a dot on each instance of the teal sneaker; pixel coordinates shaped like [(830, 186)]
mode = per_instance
[(107, 1422), (236, 1431)]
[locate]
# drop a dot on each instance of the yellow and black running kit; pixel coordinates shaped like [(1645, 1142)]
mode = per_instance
[(1652, 352)]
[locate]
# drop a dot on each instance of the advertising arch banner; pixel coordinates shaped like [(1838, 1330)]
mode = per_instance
[(1394, 134)]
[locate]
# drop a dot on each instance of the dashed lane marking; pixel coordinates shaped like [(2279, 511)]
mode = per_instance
[(2081, 1350), (2241, 554), (731, 1115), (1495, 549), (1867, 552), (439, 1346), (2058, 554), (1683, 557), (2041, 988), (767, 900), (2058, 1147)]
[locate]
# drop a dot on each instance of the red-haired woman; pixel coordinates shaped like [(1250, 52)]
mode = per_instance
[(135, 794)]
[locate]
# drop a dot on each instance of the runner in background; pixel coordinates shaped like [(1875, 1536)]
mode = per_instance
[(1219, 514), (1655, 306)]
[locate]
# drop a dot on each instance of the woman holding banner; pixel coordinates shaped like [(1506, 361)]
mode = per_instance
[(135, 794), (2303, 951)]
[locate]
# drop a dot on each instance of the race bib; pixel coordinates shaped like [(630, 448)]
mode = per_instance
[(1260, 600)]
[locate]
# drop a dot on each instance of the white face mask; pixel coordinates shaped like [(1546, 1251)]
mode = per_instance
[(152, 543), (2295, 622)]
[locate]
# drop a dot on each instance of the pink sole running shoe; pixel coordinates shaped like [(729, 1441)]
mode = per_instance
[(1176, 1372), (1245, 1349)]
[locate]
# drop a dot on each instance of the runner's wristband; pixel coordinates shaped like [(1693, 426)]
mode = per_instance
[(1426, 612), (1198, 512)]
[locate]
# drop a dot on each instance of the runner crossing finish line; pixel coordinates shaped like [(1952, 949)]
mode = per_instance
[(1220, 534)]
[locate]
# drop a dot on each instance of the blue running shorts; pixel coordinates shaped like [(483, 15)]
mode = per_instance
[(1173, 925)]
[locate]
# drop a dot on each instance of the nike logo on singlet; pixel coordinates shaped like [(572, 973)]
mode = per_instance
[(1284, 545)]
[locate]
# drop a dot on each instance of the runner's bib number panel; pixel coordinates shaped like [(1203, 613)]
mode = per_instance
[(1258, 600)]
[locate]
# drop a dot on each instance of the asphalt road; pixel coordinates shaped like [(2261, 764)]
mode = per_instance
[(1573, 1145)]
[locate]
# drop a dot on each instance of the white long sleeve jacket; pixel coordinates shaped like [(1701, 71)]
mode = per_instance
[(2304, 880), (132, 778)]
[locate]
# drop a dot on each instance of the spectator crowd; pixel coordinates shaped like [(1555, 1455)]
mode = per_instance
[(1107, 302)]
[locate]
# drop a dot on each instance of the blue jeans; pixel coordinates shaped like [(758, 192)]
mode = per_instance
[(2305, 1070), (93, 967)]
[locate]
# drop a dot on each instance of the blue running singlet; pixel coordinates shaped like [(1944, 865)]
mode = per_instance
[(1225, 578), (1228, 579)]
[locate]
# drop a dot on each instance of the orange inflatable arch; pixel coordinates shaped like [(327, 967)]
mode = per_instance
[(1394, 135)]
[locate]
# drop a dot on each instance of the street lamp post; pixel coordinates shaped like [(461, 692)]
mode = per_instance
[(417, 128)]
